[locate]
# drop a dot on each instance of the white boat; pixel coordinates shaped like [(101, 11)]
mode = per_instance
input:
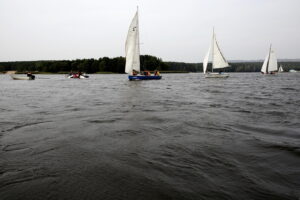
[(270, 65), (14, 77), (218, 60), (292, 71), (132, 51), (280, 69)]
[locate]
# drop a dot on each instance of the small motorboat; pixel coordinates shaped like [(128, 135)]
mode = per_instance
[(78, 76), (293, 71), (28, 77)]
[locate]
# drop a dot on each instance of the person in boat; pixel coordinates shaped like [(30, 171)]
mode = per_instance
[(134, 72), (30, 75), (147, 73), (156, 73)]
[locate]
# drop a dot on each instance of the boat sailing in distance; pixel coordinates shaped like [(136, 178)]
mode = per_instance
[(77, 75), (280, 69), (218, 60), (132, 48), (270, 65)]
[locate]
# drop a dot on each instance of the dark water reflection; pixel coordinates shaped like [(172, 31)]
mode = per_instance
[(183, 137)]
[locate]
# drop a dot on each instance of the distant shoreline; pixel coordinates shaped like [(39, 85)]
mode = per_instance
[(116, 65), (55, 73)]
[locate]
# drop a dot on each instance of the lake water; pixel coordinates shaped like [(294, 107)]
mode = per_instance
[(182, 137)]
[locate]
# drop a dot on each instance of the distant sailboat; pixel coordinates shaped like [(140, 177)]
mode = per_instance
[(218, 60), (280, 69), (132, 49), (270, 65)]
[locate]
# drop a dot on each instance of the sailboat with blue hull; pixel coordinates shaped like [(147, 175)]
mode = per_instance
[(132, 48)]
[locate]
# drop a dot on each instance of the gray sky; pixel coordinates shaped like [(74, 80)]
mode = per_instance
[(174, 30)]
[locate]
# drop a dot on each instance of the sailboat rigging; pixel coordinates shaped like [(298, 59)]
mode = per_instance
[(218, 60), (270, 65)]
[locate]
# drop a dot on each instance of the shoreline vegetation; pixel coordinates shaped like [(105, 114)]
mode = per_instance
[(116, 65)]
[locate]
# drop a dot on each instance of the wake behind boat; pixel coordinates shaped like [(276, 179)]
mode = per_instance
[(132, 48), (218, 60)]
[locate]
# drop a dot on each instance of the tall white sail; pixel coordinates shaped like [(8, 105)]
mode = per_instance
[(280, 69), (205, 61), (218, 59), (132, 47), (264, 67), (273, 66), (270, 63)]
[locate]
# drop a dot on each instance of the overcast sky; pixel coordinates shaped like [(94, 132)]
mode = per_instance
[(174, 30)]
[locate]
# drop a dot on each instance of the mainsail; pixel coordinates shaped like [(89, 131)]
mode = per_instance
[(273, 66), (132, 46), (218, 60)]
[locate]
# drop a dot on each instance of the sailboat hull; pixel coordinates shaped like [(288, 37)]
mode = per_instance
[(271, 73), (136, 78), (216, 75)]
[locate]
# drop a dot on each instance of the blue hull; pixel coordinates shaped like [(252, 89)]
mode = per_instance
[(135, 78)]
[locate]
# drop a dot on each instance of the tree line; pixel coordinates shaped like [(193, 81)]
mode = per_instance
[(117, 65)]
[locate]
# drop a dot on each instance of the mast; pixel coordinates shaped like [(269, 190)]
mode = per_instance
[(138, 36), (267, 69), (212, 42)]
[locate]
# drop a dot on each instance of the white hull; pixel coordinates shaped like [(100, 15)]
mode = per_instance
[(216, 75), (273, 73), (293, 71), (19, 77)]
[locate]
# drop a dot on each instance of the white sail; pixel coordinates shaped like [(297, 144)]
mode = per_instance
[(132, 46), (280, 69), (270, 63), (205, 61), (264, 67), (273, 66), (218, 59)]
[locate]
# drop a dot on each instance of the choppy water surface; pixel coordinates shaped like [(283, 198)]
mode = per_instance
[(183, 137)]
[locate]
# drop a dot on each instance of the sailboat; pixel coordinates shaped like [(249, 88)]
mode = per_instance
[(132, 48), (280, 69), (218, 60), (270, 64)]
